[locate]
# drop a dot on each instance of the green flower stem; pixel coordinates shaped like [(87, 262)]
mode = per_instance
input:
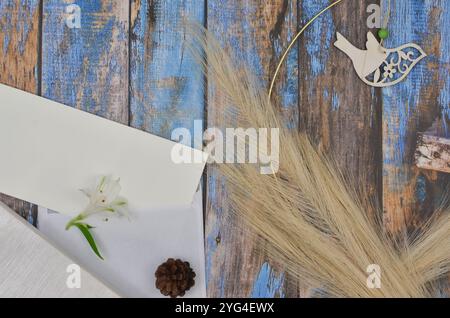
[(75, 220), (84, 229)]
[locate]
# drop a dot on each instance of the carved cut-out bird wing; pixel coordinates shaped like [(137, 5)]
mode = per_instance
[(372, 42), (378, 66)]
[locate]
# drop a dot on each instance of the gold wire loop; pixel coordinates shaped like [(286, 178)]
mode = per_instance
[(291, 44)]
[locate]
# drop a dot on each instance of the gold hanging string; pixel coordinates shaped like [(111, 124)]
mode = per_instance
[(283, 57)]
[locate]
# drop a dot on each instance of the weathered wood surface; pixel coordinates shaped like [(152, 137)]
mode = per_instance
[(19, 65), (410, 195), (166, 85), (87, 67), (255, 33), (339, 111), (433, 153), (128, 63)]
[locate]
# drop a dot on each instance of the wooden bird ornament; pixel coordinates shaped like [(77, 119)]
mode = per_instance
[(378, 66)]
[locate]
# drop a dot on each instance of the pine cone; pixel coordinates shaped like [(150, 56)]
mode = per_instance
[(174, 277)]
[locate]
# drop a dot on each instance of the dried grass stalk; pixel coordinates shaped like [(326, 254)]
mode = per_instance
[(309, 215)]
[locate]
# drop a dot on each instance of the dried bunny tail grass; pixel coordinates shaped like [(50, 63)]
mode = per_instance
[(312, 250), (306, 212), (430, 251)]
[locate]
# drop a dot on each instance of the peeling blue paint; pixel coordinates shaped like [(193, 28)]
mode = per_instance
[(267, 284), (7, 17), (166, 83), (409, 22), (421, 189), (289, 92), (25, 14), (335, 102), (235, 21), (243, 48), (72, 59), (444, 70), (26, 9), (317, 37)]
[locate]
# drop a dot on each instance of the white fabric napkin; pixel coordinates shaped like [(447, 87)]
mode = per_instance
[(32, 267)]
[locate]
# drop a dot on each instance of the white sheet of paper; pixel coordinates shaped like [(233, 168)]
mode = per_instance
[(32, 267), (52, 151), (134, 249)]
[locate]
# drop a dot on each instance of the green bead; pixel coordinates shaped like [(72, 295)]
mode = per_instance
[(383, 33)]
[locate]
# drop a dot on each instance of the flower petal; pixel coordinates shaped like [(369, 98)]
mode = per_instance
[(111, 190)]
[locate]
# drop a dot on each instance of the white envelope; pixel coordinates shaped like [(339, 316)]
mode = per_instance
[(134, 249), (50, 151)]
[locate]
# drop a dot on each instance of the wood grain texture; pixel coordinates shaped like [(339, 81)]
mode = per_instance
[(433, 153), (410, 195), (339, 112), (19, 65), (150, 82), (166, 85), (87, 67), (255, 33), (167, 89)]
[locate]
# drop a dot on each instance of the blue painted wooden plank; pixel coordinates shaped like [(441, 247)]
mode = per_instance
[(337, 110), (410, 195), (19, 64), (256, 34), (87, 67), (166, 84), (318, 50), (167, 90)]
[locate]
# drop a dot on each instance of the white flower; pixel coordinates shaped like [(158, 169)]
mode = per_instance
[(105, 198)]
